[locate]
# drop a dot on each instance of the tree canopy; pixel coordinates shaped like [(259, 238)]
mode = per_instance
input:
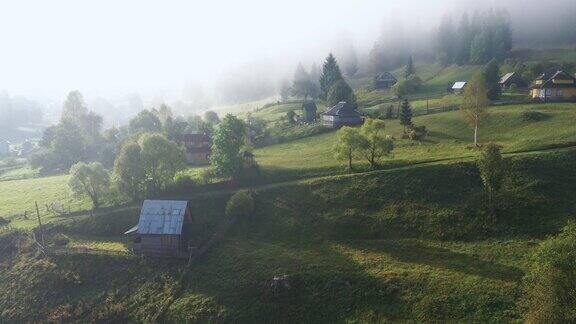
[(229, 137), (90, 180)]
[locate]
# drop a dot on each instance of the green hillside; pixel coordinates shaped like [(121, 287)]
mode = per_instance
[(402, 245), (450, 137)]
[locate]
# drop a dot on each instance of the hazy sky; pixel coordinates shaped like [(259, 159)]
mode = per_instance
[(101, 45), (51, 47)]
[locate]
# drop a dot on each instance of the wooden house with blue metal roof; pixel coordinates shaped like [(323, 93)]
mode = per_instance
[(162, 228)]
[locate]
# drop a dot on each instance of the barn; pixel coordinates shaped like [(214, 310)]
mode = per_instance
[(162, 228), (343, 114)]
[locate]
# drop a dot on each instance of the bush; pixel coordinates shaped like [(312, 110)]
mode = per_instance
[(240, 204), (182, 180), (534, 116), (550, 285), (61, 240), (4, 221)]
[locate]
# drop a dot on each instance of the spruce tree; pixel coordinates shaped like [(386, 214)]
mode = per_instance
[(341, 91), (405, 114), (492, 76), (409, 69), (330, 74)]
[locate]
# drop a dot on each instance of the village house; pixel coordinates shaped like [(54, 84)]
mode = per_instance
[(458, 87), (558, 86), (509, 80), (198, 148), (343, 114), (4, 147), (384, 81), (161, 229)]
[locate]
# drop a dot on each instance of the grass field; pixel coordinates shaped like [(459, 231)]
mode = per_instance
[(450, 137), (19, 196), (404, 245)]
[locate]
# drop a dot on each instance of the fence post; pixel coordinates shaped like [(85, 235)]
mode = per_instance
[(39, 223)]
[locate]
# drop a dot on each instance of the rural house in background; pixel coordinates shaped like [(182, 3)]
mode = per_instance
[(458, 87), (161, 228), (4, 147), (558, 86), (343, 114), (198, 148), (512, 78), (384, 81)]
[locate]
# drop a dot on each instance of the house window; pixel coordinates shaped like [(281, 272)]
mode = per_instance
[(560, 93)]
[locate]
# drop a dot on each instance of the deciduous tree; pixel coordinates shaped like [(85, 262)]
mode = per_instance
[(348, 143), (476, 103), (89, 180), (375, 144), (492, 171), (229, 137), (129, 171)]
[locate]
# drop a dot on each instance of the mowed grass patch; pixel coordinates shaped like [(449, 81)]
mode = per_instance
[(451, 137), (111, 244), (19, 196)]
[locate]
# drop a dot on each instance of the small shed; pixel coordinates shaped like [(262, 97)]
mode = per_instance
[(512, 78), (343, 114), (384, 81), (162, 228), (458, 87)]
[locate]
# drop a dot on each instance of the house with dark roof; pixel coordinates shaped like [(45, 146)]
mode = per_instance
[(512, 78), (198, 148), (342, 114), (161, 228), (558, 86), (384, 81)]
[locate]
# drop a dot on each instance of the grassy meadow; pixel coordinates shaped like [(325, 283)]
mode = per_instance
[(19, 196), (403, 245), (450, 138)]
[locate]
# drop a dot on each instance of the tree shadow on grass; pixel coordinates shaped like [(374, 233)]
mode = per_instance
[(418, 252), (324, 285)]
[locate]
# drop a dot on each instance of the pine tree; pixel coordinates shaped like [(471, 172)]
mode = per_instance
[(341, 91), (330, 74), (409, 69), (405, 114), (492, 76), (465, 37)]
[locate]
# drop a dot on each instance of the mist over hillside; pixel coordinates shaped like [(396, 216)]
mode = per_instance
[(194, 57)]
